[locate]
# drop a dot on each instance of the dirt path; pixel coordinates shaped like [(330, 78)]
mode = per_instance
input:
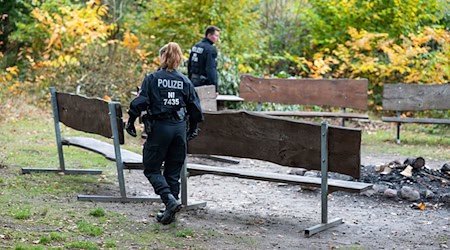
[(266, 215)]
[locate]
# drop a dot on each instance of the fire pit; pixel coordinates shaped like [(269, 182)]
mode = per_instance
[(411, 180)]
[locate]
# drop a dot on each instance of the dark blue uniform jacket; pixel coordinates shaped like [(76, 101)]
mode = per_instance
[(203, 62), (166, 92)]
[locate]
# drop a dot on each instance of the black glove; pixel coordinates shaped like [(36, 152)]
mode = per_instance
[(192, 133), (131, 130)]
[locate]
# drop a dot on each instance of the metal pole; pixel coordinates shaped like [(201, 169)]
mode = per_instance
[(57, 128), (398, 128), (184, 199), (324, 168), (115, 132), (343, 118)]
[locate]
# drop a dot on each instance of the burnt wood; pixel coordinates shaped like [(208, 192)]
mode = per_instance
[(315, 114), (89, 115), (279, 140), (415, 120), (333, 185), (345, 93), (415, 97)]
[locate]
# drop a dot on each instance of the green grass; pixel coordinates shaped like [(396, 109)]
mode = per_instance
[(45, 240), (89, 229), (185, 233), (58, 236), (110, 244), (21, 213), (98, 212), (29, 247), (416, 140), (82, 245)]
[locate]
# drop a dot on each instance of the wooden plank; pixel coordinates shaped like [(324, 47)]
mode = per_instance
[(86, 114), (414, 97), (103, 148), (207, 95), (134, 161), (283, 141), (315, 114), (346, 93), (416, 120), (333, 185), (229, 98)]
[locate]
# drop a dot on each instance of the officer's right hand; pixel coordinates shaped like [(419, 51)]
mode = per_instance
[(131, 130)]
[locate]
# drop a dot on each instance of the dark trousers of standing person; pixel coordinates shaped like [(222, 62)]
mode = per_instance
[(166, 143)]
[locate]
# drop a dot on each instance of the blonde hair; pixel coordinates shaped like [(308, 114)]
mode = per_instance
[(170, 56)]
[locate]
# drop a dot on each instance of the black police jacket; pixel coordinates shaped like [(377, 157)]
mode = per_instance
[(166, 92), (203, 61)]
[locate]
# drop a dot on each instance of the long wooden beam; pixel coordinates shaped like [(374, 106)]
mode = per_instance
[(279, 140), (345, 93)]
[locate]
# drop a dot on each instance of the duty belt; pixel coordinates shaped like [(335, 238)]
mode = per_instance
[(164, 116), (198, 76), (174, 116)]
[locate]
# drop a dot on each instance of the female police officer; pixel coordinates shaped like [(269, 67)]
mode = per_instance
[(169, 99)]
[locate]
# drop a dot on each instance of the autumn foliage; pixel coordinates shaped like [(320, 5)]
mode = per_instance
[(99, 48)]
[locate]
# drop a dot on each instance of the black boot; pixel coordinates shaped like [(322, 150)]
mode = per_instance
[(172, 207), (160, 213)]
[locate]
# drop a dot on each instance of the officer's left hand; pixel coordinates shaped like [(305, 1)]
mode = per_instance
[(192, 133), (131, 130)]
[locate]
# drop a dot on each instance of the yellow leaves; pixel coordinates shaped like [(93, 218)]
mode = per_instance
[(8, 75), (107, 98), (102, 10), (319, 67), (73, 28), (381, 59), (130, 41), (91, 3), (13, 70), (245, 68), (65, 60)]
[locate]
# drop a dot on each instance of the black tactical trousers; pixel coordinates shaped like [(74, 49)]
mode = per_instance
[(165, 144)]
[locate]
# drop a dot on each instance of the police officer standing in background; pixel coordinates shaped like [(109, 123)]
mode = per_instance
[(202, 64), (169, 99)]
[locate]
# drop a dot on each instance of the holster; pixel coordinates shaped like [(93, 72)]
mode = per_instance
[(148, 123), (181, 114)]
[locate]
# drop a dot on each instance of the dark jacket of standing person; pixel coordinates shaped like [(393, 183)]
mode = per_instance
[(171, 103), (202, 63)]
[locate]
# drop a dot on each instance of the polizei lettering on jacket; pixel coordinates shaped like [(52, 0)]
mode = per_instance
[(172, 84)]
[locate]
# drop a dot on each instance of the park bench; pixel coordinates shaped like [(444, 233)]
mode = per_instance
[(415, 97), (287, 142), (343, 93), (211, 102)]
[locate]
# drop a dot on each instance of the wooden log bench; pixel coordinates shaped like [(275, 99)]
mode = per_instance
[(283, 141), (343, 93), (286, 142), (415, 97), (212, 102)]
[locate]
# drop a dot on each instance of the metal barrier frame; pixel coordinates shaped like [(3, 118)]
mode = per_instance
[(323, 188)]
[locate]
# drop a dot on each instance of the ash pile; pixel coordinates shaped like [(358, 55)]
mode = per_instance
[(411, 180)]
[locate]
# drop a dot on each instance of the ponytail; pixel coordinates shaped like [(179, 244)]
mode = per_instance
[(170, 56)]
